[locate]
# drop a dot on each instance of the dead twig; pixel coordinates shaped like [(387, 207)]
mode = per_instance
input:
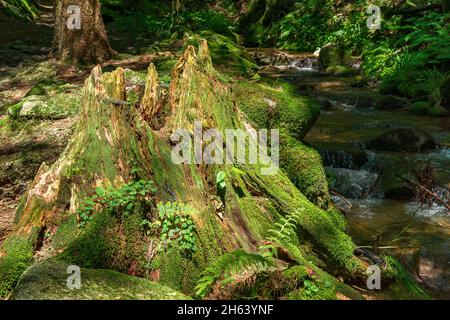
[(342, 197), (430, 193)]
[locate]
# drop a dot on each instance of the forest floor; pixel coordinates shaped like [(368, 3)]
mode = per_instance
[(25, 46)]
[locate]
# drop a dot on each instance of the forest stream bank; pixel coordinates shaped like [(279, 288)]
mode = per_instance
[(365, 179)]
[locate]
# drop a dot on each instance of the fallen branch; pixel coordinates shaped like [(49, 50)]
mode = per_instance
[(430, 193), (342, 197)]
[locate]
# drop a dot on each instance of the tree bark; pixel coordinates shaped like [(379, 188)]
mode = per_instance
[(89, 44)]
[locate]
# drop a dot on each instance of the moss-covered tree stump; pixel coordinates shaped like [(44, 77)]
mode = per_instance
[(117, 142)]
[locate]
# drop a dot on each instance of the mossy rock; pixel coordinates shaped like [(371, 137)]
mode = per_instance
[(50, 87), (42, 71), (62, 105), (340, 70), (48, 281)]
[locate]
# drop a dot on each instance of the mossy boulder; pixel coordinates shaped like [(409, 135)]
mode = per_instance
[(333, 59), (42, 71), (425, 108), (48, 281), (59, 106)]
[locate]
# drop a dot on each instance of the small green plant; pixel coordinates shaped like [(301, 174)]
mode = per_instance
[(176, 226), (122, 201), (228, 265), (310, 288), (220, 180)]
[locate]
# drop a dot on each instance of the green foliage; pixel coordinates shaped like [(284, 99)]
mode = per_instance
[(122, 201), (220, 180), (19, 255), (227, 266), (176, 227), (24, 9), (157, 20), (395, 270), (285, 229), (413, 60)]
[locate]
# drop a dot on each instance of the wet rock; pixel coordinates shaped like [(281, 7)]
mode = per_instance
[(331, 55), (403, 139), (400, 191), (325, 104), (354, 184), (390, 102), (352, 159), (365, 102), (433, 268)]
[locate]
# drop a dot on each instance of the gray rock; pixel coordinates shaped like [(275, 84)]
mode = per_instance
[(403, 139)]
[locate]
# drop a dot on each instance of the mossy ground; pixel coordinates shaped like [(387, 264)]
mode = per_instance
[(19, 255)]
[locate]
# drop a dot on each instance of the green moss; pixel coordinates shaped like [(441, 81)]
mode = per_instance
[(19, 255), (135, 77), (303, 165), (258, 222), (338, 218), (59, 106), (92, 249), (41, 71), (47, 280), (66, 233), (176, 271), (226, 54), (311, 283), (340, 70), (275, 104)]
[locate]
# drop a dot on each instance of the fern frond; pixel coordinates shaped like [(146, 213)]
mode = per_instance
[(228, 265)]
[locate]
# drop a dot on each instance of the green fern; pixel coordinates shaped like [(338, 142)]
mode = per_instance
[(24, 9), (230, 264)]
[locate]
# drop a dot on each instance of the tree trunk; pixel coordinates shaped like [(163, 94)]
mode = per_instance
[(89, 44)]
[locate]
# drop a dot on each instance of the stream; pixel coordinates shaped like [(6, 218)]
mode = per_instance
[(380, 207)]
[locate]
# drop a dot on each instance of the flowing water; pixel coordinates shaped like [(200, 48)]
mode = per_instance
[(418, 235)]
